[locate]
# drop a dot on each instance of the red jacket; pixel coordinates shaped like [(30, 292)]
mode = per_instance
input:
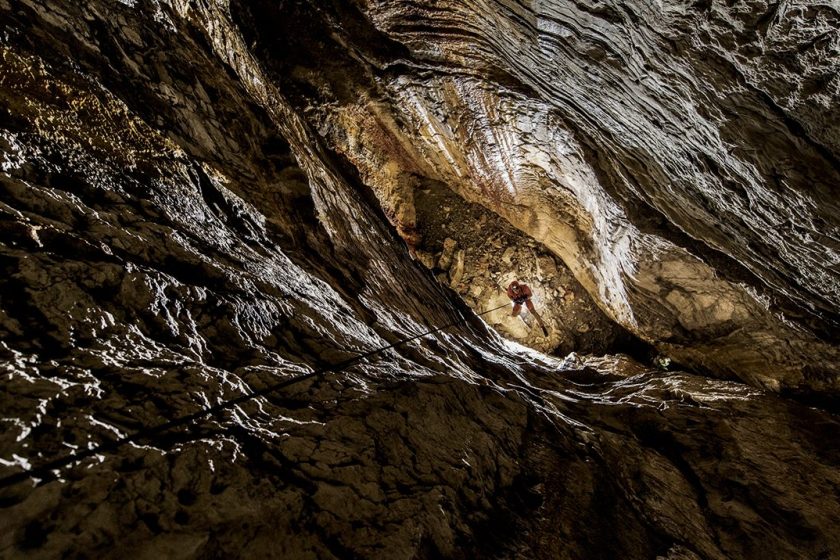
[(524, 292)]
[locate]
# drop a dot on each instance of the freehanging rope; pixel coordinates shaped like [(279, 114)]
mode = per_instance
[(41, 470)]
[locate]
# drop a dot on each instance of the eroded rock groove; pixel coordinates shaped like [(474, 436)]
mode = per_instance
[(202, 199)]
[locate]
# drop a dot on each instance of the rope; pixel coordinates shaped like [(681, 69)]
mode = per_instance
[(44, 469)]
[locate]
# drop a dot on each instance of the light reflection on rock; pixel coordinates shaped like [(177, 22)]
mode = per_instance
[(175, 233)]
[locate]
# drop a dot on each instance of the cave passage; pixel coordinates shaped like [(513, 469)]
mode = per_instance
[(208, 208)]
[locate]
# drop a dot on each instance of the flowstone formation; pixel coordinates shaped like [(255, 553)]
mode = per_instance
[(199, 200), (679, 157)]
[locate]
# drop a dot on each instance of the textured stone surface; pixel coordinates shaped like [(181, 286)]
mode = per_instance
[(478, 255), (188, 212), (678, 157)]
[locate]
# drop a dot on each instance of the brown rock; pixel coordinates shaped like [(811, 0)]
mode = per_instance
[(216, 189)]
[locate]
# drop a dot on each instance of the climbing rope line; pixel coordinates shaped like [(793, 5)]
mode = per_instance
[(41, 470)]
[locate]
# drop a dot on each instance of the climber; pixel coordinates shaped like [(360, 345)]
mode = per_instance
[(520, 293)]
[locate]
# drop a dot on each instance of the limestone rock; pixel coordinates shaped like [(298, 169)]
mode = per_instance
[(507, 255), (456, 270), (426, 258), (201, 200), (445, 259), (653, 148)]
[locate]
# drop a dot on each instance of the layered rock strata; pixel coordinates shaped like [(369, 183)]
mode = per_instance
[(174, 233), (680, 158)]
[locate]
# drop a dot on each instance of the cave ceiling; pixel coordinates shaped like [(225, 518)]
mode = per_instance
[(219, 210)]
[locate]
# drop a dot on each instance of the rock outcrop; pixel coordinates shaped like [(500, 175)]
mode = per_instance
[(201, 199), (688, 189)]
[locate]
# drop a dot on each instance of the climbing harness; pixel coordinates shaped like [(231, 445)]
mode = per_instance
[(41, 470)]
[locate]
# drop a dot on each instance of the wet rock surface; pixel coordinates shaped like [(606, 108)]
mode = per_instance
[(689, 193), (178, 228), (477, 255)]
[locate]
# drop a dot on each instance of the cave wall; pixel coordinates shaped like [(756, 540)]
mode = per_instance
[(176, 231), (679, 158)]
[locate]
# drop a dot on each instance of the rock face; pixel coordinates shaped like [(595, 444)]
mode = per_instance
[(478, 255), (678, 157), (199, 200)]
